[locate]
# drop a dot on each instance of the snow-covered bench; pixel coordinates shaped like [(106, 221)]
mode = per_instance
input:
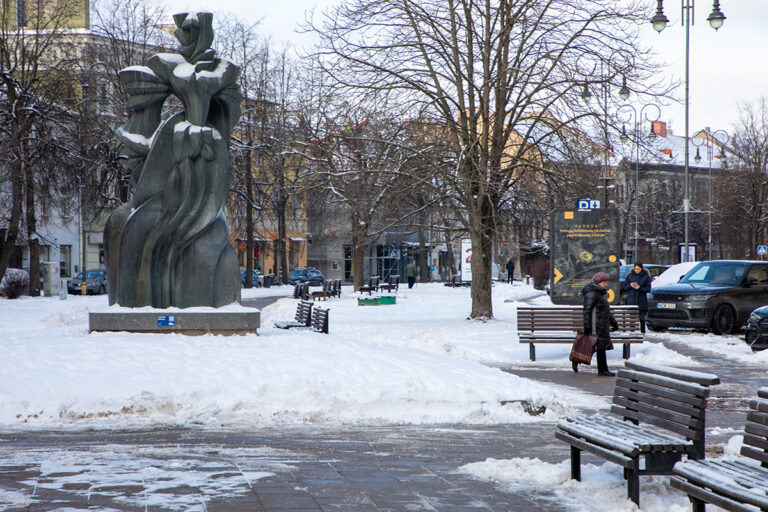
[(672, 400), (303, 316), (739, 484), (372, 286), (320, 320), (558, 324)]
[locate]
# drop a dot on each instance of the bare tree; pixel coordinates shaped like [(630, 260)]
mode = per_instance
[(499, 74)]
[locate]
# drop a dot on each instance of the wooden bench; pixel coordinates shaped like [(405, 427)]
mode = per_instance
[(673, 400), (320, 320), (324, 293), (372, 286), (303, 316), (558, 324), (393, 283), (739, 484), (456, 282), (336, 289)]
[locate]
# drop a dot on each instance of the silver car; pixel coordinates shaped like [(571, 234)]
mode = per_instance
[(95, 282)]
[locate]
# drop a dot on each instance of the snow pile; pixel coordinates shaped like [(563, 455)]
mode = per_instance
[(413, 362), (553, 481)]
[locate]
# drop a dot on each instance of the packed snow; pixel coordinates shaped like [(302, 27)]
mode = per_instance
[(417, 361)]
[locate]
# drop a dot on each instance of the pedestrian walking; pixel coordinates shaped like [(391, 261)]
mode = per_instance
[(510, 270), (594, 300), (411, 271), (637, 284)]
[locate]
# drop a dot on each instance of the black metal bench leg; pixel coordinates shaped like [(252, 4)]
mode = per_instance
[(625, 351), (697, 505), (575, 463), (532, 351), (633, 486)]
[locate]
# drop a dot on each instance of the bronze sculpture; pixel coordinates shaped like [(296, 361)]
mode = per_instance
[(168, 246)]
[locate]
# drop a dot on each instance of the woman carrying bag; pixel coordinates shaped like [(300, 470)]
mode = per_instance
[(598, 320)]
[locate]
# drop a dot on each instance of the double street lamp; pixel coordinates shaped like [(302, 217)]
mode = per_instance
[(659, 22), (720, 138)]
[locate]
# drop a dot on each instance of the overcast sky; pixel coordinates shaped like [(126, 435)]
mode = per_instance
[(728, 66)]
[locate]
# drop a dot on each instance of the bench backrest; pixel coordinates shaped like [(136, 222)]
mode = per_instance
[(328, 287), (570, 318), (666, 397), (337, 286), (756, 430), (320, 320), (304, 312), (373, 281)]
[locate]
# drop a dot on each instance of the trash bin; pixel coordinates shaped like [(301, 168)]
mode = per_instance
[(268, 280)]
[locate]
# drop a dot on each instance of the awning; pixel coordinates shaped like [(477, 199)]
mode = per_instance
[(298, 239)]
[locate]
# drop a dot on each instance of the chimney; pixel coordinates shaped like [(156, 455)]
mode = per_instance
[(659, 128)]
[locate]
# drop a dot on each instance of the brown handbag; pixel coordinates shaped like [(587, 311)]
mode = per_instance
[(584, 346)]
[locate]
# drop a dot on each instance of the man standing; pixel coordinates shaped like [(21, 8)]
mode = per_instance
[(510, 270), (411, 272)]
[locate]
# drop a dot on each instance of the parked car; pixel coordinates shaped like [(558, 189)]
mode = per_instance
[(95, 282), (306, 275), (756, 334), (713, 295), (255, 278)]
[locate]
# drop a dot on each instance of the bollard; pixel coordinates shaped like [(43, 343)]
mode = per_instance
[(527, 279)]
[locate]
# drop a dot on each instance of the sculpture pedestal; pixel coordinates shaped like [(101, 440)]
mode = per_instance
[(192, 321)]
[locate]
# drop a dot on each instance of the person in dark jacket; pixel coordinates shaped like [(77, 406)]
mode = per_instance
[(510, 270), (637, 284), (594, 299)]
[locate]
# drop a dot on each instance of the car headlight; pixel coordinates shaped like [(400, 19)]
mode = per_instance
[(754, 318), (697, 297)]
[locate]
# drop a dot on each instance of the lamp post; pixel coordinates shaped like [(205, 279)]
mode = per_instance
[(711, 139), (638, 119), (659, 22), (586, 95)]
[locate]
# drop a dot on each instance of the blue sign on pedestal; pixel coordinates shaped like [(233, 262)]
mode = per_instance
[(166, 320), (393, 253), (762, 250)]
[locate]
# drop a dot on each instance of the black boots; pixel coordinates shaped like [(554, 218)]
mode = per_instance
[(575, 366)]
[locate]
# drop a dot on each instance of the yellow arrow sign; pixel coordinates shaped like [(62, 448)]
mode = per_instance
[(558, 275), (611, 295)]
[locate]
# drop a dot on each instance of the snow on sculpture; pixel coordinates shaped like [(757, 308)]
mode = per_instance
[(168, 246)]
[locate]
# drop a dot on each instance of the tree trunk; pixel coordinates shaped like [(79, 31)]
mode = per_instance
[(281, 243), (32, 242), (17, 197), (423, 259), (248, 219), (481, 275), (358, 255)]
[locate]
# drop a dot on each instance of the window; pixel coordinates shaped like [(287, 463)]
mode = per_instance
[(21, 12), (65, 260), (759, 273)]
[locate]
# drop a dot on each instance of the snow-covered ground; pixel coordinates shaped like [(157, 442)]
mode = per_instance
[(418, 361)]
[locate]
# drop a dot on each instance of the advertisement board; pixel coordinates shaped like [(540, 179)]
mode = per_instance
[(583, 242), (466, 258)]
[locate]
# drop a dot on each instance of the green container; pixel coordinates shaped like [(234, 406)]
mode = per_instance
[(368, 302), (387, 299)]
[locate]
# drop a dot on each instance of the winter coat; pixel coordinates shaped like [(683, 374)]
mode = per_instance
[(637, 297), (411, 270), (510, 266), (594, 298)]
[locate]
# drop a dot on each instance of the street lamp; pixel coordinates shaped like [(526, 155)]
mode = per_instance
[(711, 139), (659, 22), (638, 119)]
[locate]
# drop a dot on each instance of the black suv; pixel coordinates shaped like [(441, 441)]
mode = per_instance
[(713, 295)]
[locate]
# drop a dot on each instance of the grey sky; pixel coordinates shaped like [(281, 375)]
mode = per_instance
[(728, 67)]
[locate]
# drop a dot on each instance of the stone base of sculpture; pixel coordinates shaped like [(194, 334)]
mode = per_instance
[(226, 321)]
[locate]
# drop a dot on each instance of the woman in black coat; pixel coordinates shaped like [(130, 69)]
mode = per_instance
[(594, 299), (637, 284)]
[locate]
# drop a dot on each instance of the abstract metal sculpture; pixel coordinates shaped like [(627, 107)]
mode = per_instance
[(168, 246)]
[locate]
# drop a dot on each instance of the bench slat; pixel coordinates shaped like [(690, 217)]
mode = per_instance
[(713, 477), (708, 496), (608, 455), (680, 419), (659, 391), (756, 475), (672, 426), (659, 380), (656, 441), (663, 403), (704, 379), (598, 436)]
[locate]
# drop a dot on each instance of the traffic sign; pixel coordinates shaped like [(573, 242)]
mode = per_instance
[(393, 253), (762, 250), (588, 204)]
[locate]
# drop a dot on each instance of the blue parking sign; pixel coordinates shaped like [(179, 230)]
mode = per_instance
[(762, 250)]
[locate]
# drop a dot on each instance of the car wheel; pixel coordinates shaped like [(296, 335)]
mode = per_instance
[(655, 328), (724, 320)]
